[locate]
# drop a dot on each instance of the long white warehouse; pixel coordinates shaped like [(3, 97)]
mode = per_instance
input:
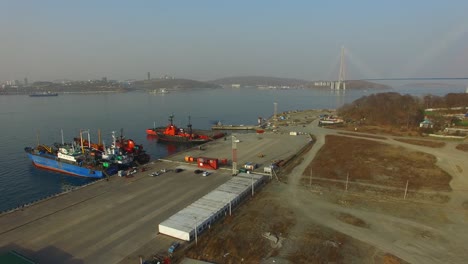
[(188, 223)]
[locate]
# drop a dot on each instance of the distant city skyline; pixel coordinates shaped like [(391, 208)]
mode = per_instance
[(207, 40)]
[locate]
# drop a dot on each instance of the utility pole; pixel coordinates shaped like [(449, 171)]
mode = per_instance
[(196, 235), (406, 189), (275, 110), (347, 178), (252, 184), (234, 155), (275, 118), (310, 178)]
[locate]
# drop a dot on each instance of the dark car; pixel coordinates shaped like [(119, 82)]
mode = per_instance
[(198, 171), (178, 170)]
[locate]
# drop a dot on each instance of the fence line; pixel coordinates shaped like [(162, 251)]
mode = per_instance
[(347, 183)]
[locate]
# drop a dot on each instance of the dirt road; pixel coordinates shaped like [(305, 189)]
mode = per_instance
[(322, 222), (429, 241)]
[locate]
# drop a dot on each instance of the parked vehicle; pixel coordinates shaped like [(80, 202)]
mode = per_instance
[(206, 173), (250, 166), (173, 247), (198, 171), (178, 170)]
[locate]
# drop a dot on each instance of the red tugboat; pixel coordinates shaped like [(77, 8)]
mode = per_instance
[(172, 133)]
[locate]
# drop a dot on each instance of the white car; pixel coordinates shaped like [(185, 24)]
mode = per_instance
[(154, 174), (206, 173)]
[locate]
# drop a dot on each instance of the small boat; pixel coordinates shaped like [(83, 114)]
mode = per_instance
[(330, 120), (159, 91), (43, 94), (171, 133)]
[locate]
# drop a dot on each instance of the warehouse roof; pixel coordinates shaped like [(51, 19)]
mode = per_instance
[(204, 208)]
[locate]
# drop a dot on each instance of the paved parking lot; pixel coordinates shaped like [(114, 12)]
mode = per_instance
[(116, 221)]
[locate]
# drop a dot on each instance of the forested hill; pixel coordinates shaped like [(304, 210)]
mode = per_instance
[(391, 109), (173, 84), (398, 110)]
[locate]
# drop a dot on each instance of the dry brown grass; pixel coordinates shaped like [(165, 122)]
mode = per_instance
[(462, 147), (425, 143), (358, 135), (381, 130), (241, 235), (465, 205), (390, 259), (352, 220), (319, 245), (377, 163)]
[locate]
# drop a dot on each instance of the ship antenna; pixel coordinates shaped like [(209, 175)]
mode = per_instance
[(37, 135), (113, 139), (189, 126), (81, 139), (171, 117)]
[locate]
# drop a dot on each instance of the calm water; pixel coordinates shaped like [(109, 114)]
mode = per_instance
[(25, 120)]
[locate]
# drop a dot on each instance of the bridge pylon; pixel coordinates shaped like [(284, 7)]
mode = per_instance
[(340, 84)]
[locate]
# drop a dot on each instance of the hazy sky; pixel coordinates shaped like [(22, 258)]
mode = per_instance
[(205, 40)]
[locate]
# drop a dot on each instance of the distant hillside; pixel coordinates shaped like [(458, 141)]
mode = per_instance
[(172, 84), (95, 86), (353, 85), (356, 85), (275, 81), (260, 80), (437, 85)]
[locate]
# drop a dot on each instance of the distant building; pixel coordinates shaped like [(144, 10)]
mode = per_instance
[(149, 76), (104, 79), (25, 81), (322, 84), (236, 85), (426, 123)]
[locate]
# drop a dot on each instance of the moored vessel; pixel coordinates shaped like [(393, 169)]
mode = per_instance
[(85, 159), (43, 94), (171, 133)]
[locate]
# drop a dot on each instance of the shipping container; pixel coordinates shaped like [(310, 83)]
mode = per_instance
[(208, 163)]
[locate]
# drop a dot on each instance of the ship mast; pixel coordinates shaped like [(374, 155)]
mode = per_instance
[(171, 117), (189, 126)]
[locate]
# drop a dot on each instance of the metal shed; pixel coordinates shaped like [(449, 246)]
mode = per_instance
[(188, 223)]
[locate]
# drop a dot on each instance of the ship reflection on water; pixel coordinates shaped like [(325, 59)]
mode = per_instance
[(171, 148)]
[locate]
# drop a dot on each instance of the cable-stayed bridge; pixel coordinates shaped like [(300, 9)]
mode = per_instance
[(340, 83)]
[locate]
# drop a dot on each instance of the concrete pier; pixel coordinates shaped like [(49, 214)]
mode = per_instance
[(234, 127), (116, 221)]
